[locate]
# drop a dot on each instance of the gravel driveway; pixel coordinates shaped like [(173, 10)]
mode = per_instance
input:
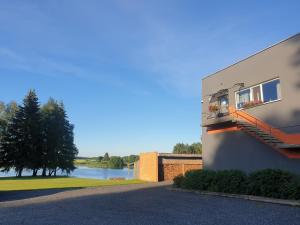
[(142, 204)]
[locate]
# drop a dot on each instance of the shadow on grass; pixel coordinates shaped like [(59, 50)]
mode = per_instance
[(25, 194), (21, 195)]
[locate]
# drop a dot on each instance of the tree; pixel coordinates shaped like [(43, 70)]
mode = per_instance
[(69, 151), (22, 141), (52, 124), (58, 145), (115, 162), (32, 132), (130, 159), (7, 113), (180, 148), (106, 157), (100, 158), (195, 148), (34, 138)]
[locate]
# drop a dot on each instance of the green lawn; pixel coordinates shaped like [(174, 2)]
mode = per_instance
[(30, 183)]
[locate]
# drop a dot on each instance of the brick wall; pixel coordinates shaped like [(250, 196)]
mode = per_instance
[(168, 171)]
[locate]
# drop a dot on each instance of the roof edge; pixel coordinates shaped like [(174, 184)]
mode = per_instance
[(250, 56)]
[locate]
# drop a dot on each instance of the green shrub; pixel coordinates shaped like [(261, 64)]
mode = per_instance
[(177, 181), (268, 183), (274, 184), (199, 179), (230, 181)]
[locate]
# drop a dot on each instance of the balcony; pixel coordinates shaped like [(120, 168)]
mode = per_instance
[(218, 109), (218, 117)]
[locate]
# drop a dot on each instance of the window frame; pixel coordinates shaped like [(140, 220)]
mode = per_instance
[(261, 92)]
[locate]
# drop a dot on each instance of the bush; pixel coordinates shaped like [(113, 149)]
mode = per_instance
[(199, 179), (230, 181), (177, 181), (269, 183), (274, 184)]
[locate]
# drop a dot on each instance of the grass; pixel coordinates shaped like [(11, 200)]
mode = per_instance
[(38, 183)]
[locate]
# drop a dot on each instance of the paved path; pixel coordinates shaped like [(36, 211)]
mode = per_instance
[(142, 204)]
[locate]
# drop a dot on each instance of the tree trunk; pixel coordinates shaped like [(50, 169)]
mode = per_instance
[(50, 173), (20, 172), (44, 172), (55, 172), (34, 173)]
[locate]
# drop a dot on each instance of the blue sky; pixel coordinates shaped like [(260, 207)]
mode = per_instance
[(129, 72)]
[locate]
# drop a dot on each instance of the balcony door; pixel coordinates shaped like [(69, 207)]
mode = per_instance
[(223, 103)]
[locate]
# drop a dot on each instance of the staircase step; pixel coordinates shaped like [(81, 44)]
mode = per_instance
[(267, 138), (273, 142), (290, 146), (251, 128), (247, 126), (257, 132)]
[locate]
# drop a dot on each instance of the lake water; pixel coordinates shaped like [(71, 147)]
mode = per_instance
[(85, 172)]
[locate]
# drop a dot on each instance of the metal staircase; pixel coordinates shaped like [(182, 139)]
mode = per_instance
[(269, 139), (255, 131), (284, 143)]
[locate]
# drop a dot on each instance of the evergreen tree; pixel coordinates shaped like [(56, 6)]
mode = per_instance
[(106, 157), (33, 138), (32, 132), (59, 148), (52, 125), (68, 151), (21, 143)]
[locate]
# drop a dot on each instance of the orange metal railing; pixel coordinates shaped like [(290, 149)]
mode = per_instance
[(280, 135)]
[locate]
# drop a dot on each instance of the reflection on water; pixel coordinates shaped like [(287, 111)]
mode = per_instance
[(85, 172)]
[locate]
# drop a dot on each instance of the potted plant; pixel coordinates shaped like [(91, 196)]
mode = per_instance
[(251, 104), (213, 108)]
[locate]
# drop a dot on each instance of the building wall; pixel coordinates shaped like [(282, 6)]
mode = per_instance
[(237, 150), (136, 170), (154, 167), (148, 166)]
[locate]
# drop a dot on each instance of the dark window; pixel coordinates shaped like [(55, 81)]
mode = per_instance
[(271, 91)]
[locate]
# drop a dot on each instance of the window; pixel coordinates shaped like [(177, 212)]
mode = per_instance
[(223, 103), (243, 98), (256, 94), (262, 93), (271, 91)]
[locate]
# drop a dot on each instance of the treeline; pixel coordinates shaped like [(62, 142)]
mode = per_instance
[(116, 162), (195, 148), (34, 137), (106, 161)]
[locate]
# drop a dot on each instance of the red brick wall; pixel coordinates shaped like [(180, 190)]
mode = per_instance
[(169, 171)]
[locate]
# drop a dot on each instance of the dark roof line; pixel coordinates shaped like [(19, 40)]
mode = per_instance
[(252, 55)]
